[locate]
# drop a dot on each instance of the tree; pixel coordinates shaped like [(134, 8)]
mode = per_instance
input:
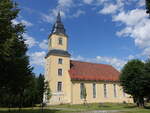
[(43, 90), (40, 88), (147, 6), (31, 94), (15, 71), (134, 81), (147, 72), (47, 91)]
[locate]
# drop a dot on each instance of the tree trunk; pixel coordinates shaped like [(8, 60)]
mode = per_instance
[(42, 107), (140, 102), (9, 109), (20, 103), (32, 104)]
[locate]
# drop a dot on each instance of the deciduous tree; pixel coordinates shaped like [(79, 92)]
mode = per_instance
[(135, 81)]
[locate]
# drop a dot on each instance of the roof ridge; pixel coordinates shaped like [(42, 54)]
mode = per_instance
[(91, 62)]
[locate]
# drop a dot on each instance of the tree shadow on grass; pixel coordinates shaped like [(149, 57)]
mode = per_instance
[(129, 106), (101, 105), (147, 107), (30, 111)]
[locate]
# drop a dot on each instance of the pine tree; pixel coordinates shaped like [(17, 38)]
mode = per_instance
[(40, 88), (15, 71), (147, 6), (147, 74)]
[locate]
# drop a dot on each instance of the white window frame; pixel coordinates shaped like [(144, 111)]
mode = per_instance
[(61, 86), (94, 90), (105, 91), (61, 71), (115, 90), (59, 60), (81, 90), (60, 38)]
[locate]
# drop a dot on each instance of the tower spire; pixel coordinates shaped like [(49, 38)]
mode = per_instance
[(58, 17), (58, 27)]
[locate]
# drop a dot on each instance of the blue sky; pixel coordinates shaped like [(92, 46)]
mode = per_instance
[(100, 31)]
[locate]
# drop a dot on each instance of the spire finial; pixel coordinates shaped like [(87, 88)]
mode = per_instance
[(58, 17)]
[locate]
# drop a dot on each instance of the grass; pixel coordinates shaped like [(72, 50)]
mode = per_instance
[(30, 110), (123, 108)]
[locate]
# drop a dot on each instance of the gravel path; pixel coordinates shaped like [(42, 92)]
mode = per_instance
[(93, 111), (101, 111)]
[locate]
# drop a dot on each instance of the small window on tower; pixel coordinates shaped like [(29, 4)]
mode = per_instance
[(59, 86), (60, 72), (60, 61), (60, 41)]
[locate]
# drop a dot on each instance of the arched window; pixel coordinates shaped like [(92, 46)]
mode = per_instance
[(105, 91), (60, 41), (94, 90), (115, 91)]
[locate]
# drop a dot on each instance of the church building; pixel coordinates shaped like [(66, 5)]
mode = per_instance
[(68, 78)]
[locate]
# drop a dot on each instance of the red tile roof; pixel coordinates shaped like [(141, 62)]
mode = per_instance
[(91, 71)]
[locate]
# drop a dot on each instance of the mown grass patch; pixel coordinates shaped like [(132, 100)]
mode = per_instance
[(66, 108)]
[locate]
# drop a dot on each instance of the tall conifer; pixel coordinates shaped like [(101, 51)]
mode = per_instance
[(15, 71)]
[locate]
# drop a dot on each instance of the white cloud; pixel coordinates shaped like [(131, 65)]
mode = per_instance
[(101, 1), (44, 44), (51, 16), (146, 52), (63, 6), (131, 17), (137, 26), (87, 1), (110, 8), (117, 63), (141, 3), (48, 18), (78, 58), (42, 29), (65, 3), (131, 57), (78, 13), (30, 41), (37, 58), (24, 22), (15, 22)]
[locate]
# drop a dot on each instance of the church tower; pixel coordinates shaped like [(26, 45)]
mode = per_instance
[(58, 64)]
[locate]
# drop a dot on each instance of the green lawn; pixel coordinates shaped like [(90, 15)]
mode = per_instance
[(124, 108)]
